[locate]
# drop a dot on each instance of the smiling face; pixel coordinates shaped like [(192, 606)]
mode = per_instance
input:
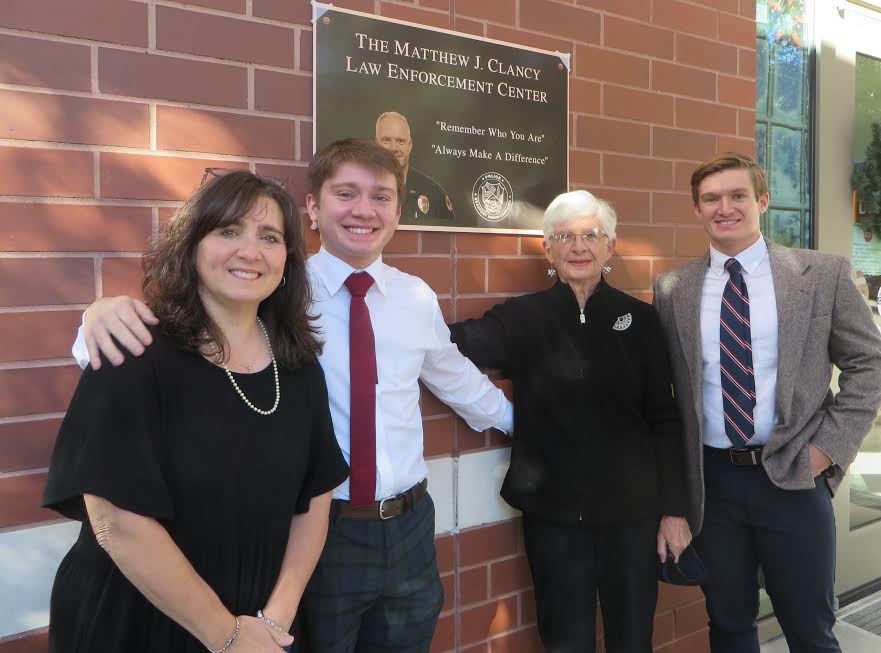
[(393, 133), (576, 261), (728, 209), (241, 264), (357, 213)]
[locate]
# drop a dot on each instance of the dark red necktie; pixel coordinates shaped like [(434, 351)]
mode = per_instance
[(362, 383)]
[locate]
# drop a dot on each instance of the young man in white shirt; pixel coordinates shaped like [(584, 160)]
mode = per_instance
[(376, 588), (753, 330)]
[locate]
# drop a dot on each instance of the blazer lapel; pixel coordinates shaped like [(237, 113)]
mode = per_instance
[(794, 304), (686, 311)]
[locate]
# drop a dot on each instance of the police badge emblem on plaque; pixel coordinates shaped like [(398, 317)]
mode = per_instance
[(492, 196)]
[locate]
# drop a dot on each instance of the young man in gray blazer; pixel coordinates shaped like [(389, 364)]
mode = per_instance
[(754, 330)]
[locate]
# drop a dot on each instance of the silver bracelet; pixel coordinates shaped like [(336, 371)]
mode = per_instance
[(262, 617), (229, 643)]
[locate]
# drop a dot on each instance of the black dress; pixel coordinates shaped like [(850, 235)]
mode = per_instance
[(165, 435)]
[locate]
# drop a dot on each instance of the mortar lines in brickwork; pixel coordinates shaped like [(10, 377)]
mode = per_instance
[(31, 418), (96, 174), (251, 94), (8, 254), (253, 112), (457, 603), (43, 362), (154, 222), (97, 45), (151, 26), (99, 278), (116, 149), (93, 57), (248, 16), (43, 309), (153, 128)]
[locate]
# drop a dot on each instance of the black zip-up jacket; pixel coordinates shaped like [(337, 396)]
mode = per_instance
[(597, 436)]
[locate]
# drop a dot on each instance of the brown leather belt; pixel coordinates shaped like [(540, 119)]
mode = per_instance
[(386, 509), (747, 457)]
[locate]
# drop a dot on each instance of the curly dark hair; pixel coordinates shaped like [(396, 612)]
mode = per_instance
[(171, 282)]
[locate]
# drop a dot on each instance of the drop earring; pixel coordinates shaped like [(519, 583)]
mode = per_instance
[(314, 226), (552, 272), (607, 269)]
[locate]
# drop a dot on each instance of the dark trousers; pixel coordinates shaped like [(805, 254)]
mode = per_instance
[(376, 588), (750, 522), (570, 563)]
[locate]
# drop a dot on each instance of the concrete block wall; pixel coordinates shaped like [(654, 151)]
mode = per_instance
[(110, 110)]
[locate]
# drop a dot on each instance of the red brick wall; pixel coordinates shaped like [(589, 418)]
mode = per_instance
[(110, 109), (494, 606)]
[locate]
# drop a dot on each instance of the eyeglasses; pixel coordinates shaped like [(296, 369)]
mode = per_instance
[(220, 172), (591, 236)]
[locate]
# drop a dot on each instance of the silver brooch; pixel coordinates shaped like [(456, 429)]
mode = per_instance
[(623, 322)]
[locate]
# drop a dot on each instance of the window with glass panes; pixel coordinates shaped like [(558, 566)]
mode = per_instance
[(783, 117)]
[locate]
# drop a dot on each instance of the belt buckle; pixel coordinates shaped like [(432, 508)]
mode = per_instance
[(382, 505), (735, 456)]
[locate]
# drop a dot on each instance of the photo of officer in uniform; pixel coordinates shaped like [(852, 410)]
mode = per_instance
[(425, 201)]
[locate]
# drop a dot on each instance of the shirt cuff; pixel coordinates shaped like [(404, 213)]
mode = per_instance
[(79, 350), (507, 422)]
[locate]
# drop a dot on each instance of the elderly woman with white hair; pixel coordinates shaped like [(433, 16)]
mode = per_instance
[(597, 459)]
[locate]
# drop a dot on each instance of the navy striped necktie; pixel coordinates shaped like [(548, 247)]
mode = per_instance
[(736, 358)]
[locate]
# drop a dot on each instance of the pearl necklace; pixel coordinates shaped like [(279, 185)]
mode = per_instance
[(274, 372)]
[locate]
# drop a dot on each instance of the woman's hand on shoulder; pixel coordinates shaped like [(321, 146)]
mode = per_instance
[(673, 534)]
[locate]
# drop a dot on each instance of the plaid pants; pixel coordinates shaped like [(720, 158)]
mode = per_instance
[(376, 588)]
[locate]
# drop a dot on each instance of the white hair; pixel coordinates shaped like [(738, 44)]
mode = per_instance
[(579, 204)]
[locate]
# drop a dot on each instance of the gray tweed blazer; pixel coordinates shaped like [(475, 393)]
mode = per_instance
[(823, 321)]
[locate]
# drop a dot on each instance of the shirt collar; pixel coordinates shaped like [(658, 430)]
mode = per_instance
[(333, 271), (749, 259)]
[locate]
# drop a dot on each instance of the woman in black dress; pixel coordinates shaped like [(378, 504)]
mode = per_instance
[(597, 458), (202, 469)]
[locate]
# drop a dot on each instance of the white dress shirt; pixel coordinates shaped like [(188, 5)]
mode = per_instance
[(412, 344), (763, 328)]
